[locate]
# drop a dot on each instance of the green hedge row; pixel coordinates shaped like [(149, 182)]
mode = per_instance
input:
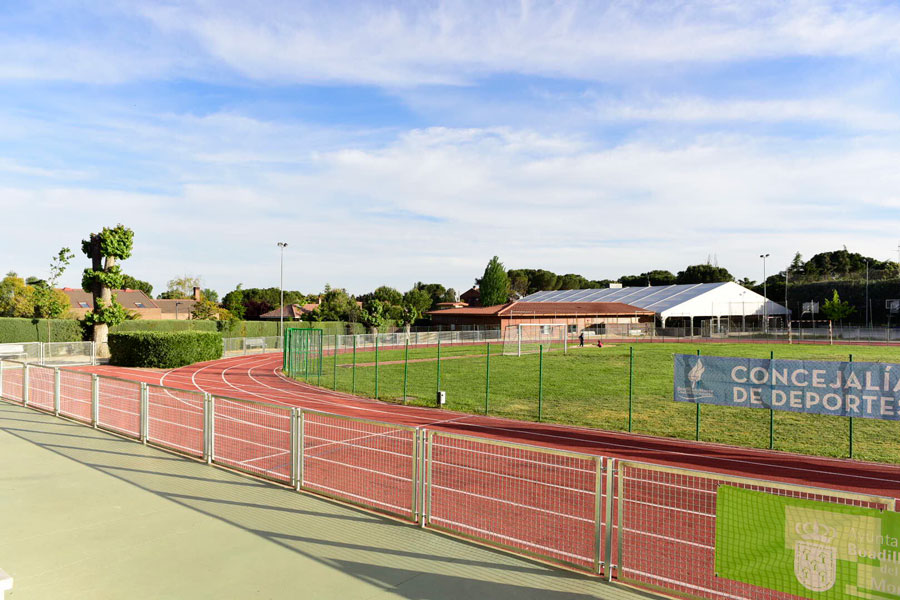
[(164, 325), (163, 349), (328, 327), (70, 330), (35, 330)]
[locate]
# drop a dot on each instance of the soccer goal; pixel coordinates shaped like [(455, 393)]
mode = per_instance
[(528, 338)]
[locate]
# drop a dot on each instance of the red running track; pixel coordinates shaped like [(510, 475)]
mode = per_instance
[(259, 378)]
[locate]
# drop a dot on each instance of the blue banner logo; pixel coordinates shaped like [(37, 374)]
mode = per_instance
[(849, 389)]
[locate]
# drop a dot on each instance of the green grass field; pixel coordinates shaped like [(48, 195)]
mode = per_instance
[(589, 387)]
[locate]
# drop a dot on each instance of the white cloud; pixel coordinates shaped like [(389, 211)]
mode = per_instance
[(409, 44), (437, 203)]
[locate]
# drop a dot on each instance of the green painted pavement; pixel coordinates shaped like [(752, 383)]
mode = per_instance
[(86, 514)]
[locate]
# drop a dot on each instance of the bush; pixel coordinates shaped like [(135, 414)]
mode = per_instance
[(163, 350), (35, 330)]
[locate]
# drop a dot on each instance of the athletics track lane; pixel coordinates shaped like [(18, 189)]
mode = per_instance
[(258, 378)]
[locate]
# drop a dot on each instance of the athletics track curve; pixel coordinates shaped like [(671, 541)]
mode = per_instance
[(259, 378)]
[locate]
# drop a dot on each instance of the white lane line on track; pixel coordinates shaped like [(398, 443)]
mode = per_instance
[(564, 438)]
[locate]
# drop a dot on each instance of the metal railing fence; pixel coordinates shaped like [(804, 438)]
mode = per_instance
[(644, 523), (666, 527), (241, 346), (50, 353)]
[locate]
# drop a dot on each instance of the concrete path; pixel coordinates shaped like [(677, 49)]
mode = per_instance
[(88, 515)]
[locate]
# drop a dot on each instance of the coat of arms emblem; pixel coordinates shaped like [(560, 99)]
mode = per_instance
[(815, 560)]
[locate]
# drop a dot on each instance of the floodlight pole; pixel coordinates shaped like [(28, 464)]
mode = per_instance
[(281, 245), (765, 297)]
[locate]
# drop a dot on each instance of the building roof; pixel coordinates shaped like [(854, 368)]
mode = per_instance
[(291, 311), (693, 299), (168, 306), (548, 309), (130, 299), (572, 308)]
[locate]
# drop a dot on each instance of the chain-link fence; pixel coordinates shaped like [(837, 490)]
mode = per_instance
[(612, 385)]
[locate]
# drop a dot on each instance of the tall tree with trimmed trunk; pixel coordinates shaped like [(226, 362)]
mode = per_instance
[(104, 249)]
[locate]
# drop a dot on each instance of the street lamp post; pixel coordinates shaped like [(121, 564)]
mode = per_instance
[(765, 296), (176, 310), (281, 245)]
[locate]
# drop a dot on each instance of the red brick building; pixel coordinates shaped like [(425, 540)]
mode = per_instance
[(591, 317)]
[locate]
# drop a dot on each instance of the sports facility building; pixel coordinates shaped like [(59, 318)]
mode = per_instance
[(717, 306), (590, 317)]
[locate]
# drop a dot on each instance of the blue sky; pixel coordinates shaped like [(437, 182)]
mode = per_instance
[(391, 142)]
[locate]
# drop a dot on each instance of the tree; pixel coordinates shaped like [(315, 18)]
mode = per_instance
[(387, 295), (49, 302), (436, 292), (210, 294), (16, 298), (233, 302), (654, 277), (130, 283), (703, 274), (180, 288), (251, 302), (835, 309), (747, 283), (494, 285), (209, 310), (104, 249), (336, 305), (373, 314), (415, 304)]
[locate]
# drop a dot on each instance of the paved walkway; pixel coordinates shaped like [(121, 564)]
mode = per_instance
[(88, 515)]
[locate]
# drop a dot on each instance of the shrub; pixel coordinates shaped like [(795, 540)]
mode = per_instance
[(35, 330), (163, 350)]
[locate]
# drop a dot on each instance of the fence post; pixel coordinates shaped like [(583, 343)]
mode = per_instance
[(438, 365), (487, 380), (610, 492), (598, 511), (540, 381), (771, 410), (697, 433), (95, 400), (851, 425), (300, 451), (209, 420), (295, 417), (145, 410), (630, 384), (406, 370), (25, 369), (376, 367), (335, 350), (56, 391), (353, 381)]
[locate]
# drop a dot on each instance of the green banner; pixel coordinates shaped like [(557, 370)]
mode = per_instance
[(817, 550)]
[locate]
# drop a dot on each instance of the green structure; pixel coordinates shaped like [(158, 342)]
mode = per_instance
[(303, 353)]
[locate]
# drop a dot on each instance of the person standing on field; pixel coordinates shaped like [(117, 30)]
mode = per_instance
[(581, 340)]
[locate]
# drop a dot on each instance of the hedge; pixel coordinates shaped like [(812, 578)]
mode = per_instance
[(163, 349), (14, 329), (164, 325)]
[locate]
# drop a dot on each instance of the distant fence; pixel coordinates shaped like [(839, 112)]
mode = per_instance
[(635, 522), (242, 346), (50, 353)]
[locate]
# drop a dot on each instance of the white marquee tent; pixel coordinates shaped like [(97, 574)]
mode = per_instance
[(687, 301)]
